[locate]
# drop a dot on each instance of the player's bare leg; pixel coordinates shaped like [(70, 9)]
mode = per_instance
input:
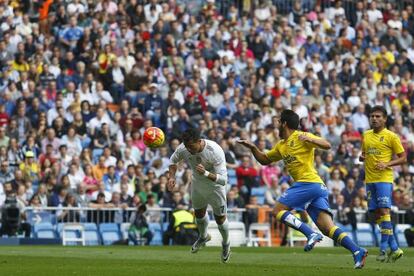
[(282, 213), (223, 226), (328, 228), (202, 225)]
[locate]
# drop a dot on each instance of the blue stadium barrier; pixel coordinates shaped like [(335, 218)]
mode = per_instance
[(44, 230), (157, 232), (399, 232), (109, 233), (91, 234)]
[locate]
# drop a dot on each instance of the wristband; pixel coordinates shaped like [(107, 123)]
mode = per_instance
[(206, 173)]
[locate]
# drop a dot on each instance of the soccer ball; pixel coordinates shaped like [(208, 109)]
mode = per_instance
[(153, 137)]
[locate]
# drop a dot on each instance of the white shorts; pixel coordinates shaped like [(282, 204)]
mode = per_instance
[(215, 197)]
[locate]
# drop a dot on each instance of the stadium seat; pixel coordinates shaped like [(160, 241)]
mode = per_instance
[(231, 173), (44, 230), (264, 228), (215, 234), (237, 233), (232, 178), (364, 227), (365, 238), (399, 231), (346, 228), (109, 233), (155, 228), (91, 234), (165, 226), (259, 192), (73, 234), (233, 181), (340, 225), (124, 230)]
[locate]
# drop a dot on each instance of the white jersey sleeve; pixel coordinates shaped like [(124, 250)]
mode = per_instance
[(178, 155), (219, 161)]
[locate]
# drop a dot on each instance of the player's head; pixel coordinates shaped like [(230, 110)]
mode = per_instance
[(378, 117), (191, 140), (288, 120)]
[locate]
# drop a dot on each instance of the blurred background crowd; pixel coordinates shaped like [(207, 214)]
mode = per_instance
[(82, 79)]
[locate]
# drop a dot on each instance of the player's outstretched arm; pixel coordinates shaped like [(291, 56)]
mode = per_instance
[(260, 156), (317, 142)]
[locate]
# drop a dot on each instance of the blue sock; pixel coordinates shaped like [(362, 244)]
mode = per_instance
[(289, 219), (392, 242), (340, 237), (386, 231)]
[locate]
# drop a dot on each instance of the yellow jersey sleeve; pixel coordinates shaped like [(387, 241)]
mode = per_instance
[(313, 136), (274, 154)]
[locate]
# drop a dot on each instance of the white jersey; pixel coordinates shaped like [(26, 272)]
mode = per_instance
[(203, 190), (211, 157)]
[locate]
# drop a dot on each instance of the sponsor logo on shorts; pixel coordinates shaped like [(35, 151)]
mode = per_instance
[(383, 200)]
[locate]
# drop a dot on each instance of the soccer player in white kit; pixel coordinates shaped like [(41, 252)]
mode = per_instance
[(207, 161)]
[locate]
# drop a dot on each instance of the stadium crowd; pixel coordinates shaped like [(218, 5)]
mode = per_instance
[(82, 79)]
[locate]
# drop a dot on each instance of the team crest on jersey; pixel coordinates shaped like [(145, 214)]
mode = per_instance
[(382, 139), (292, 143), (198, 159)]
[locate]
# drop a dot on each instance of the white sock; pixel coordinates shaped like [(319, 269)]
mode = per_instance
[(202, 225), (224, 231)]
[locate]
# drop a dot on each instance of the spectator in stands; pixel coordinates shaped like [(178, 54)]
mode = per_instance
[(147, 191), (349, 192), (272, 193), (30, 169), (246, 176), (233, 200), (252, 212), (99, 170), (174, 201), (139, 228), (344, 214), (68, 215), (58, 197), (151, 214), (335, 180), (409, 233), (6, 174)]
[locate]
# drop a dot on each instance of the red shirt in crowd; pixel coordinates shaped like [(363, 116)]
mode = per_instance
[(244, 172)]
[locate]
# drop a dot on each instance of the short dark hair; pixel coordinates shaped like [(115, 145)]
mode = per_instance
[(291, 118), (191, 135), (379, 108)]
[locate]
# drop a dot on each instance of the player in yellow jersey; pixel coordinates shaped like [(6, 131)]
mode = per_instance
[(308, 192), (378, 148)]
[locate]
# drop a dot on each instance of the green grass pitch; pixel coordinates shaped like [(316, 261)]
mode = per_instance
[(136, 261)]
